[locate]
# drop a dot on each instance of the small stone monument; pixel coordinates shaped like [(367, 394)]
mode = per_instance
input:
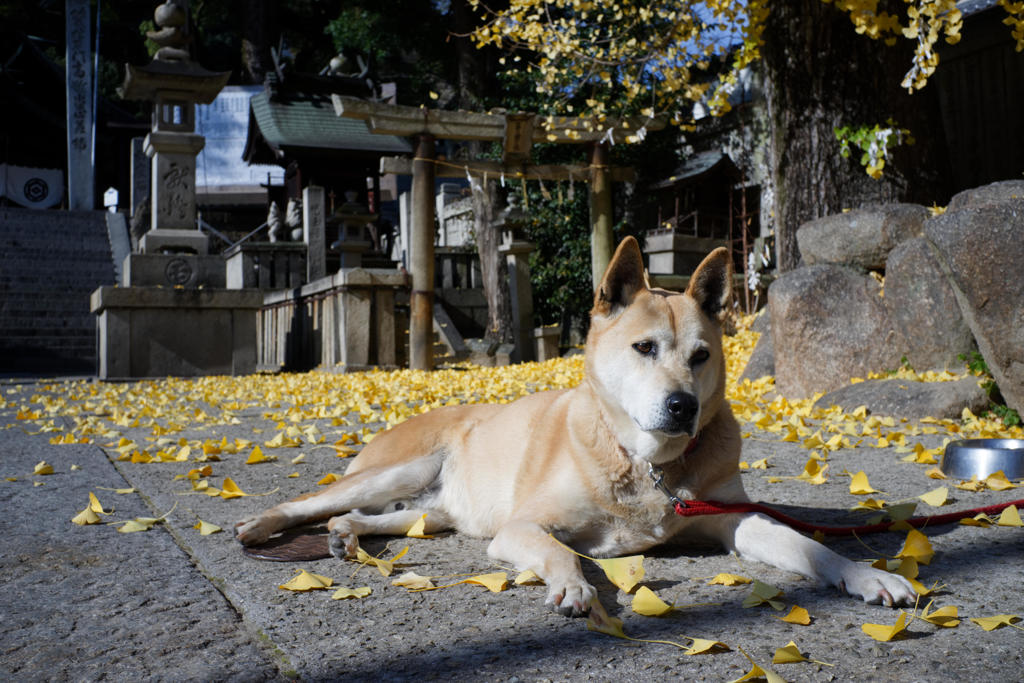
[(351, 219)]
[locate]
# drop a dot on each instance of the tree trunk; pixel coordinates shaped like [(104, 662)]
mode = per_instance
[(820, 75), (493, 267)]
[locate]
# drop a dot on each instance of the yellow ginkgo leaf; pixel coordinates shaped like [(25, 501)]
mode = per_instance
[(257, 457), (43, 467), (647, 603), (918, 547), (346, 593), (797, 615), (229, 489), (494, 582), (1010, 517), (528, 578), (307, 581), (762, 594), (936, 497), (413, 581), (998, 621), (980, 519), (885, 633), (86, 516), (945, 617), (859, 485), (417, 530), (936, 473), (704, 646), (869, 504), (729, 580), (624, 572), (139, 524), (294, 475), (999, 482), (761, 464), (328, 478), (756, 672), (599, 620), (814, 473), (385, 567), (972, 485), (205, 528)]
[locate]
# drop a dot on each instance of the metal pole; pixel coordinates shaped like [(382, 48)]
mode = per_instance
[(601, 243), (421, 301)]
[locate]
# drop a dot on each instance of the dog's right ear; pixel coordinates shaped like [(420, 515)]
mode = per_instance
[(623, 279)]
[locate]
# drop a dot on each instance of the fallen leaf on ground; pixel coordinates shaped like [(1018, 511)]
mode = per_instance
[(385, 567), (329, 478), (345, 593), (885, 633), (307, 581), (757, 672), (624, 572), (703, 646), (859, 485), (647, 603), (998, 621), (797, 615), (528, 578), (599, 620), (945, 617), (790, 654), (1010, 517), (257, 456), (728, 580), (494, 582), (918, 547), (936, 497), (762, 594), (205, 528), (413, 581), (91, 513), (998, 482), (43, 467)]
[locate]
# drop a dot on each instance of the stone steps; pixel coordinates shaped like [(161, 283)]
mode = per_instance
[(50, 263)]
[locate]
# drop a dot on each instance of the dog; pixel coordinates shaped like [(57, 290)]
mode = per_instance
[(575, 464)]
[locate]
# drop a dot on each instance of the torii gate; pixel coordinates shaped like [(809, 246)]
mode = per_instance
[(517, 132)]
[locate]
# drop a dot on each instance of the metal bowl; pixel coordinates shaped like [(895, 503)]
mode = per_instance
[(982, 457)]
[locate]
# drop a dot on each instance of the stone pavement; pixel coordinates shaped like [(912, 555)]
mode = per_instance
[(88, 603)]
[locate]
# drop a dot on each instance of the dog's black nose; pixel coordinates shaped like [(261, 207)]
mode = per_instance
[(682, 407)]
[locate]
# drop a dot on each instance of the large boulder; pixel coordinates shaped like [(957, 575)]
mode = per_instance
[(994, 193), (862, 238), (924, 309), (981, 248), (905, 398), (829, 323)]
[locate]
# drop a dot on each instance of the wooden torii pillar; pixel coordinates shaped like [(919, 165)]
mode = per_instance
[(517, 132)]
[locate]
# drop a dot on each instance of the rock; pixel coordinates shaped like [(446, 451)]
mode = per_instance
[(762, 359), (862, 238), (905, 398), (924, 309), (1003, 191), (981, 249), (829, 323)]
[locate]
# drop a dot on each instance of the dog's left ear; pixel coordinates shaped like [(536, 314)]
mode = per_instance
[(622, 280), (711, 284)]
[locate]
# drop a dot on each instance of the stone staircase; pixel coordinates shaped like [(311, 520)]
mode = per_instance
[(50, 263)]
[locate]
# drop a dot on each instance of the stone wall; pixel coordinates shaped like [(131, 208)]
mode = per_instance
[(890, 284)]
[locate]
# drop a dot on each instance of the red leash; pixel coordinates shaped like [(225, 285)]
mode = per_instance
[(692, 508)]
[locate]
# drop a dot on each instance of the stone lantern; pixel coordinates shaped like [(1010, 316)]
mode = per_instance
[(175, 84), (352, 219)]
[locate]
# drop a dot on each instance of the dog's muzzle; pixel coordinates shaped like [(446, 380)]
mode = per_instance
[(681, 410)]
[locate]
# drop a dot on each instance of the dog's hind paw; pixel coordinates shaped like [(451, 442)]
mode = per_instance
[(571, 599), (342, 541), (875, 586), (252, 531)]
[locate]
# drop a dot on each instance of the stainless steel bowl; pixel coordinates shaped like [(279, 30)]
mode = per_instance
[(982, 457)]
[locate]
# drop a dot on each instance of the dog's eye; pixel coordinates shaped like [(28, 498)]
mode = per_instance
[(699, 356), (644, 348)]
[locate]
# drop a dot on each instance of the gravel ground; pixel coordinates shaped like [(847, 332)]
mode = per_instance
[(88, 603)]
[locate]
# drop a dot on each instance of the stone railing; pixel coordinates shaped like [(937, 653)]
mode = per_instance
[(345, 321), (266, 265)]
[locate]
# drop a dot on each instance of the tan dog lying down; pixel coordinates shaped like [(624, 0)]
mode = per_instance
[(574, 463)]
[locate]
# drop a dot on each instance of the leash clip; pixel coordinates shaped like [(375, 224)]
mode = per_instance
[(658, 477)]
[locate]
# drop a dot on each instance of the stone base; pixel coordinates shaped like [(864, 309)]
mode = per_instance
[(173, 270), (160, 332), (188, 241), (266, 265)]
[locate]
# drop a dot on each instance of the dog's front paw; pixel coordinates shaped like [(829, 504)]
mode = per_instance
[(875, 586), (253, 530), (570, 598), (341, 539)]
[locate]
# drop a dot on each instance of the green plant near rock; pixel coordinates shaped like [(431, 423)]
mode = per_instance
[(976, 364)]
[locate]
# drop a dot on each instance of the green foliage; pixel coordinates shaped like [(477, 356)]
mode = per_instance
[(874, 143), (976, 365)]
